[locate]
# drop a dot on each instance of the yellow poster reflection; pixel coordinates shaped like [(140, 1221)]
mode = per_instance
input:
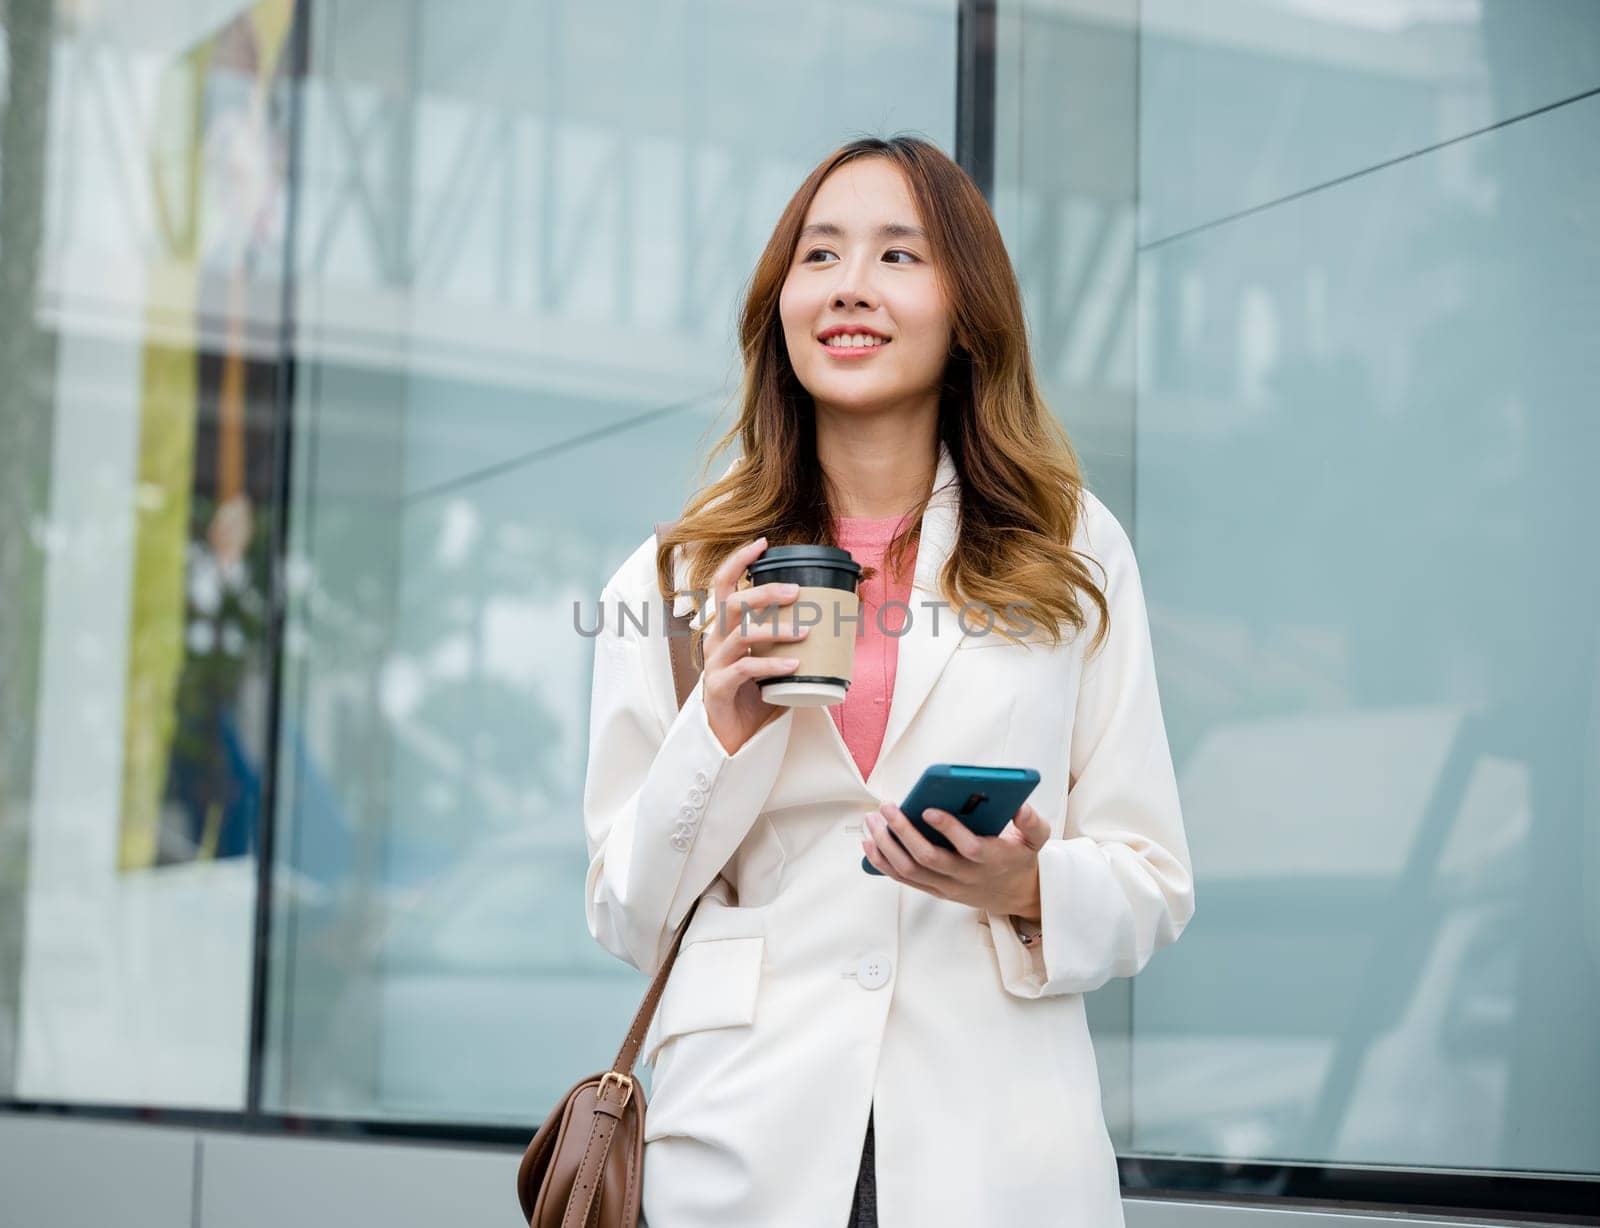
[(191, 779)]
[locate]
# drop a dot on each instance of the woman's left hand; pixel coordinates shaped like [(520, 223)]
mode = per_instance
[(998, 873)]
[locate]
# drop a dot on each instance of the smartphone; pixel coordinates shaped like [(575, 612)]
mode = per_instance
[(984, 798)]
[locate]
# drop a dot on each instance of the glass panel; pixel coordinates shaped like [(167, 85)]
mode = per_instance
[(1247, 101), (1066, 196), (1364, 440), (522, 234), (141, 254)]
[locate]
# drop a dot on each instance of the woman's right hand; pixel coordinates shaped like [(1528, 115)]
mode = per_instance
[(734, 707)]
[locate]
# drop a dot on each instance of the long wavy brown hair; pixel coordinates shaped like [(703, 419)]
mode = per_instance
[(1020, 477)]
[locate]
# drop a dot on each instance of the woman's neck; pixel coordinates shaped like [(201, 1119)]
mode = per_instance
[(878, 483)]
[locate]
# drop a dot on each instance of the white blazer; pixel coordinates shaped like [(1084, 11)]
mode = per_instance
[(807, 990)]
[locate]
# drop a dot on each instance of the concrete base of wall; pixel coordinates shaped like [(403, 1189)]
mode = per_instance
[(67, 1173)]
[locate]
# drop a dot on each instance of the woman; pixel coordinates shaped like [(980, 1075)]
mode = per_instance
[(831, 1041)]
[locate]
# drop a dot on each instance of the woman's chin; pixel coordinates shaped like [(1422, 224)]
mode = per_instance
[(859, 395)]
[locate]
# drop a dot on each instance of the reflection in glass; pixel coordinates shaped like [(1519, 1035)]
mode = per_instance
[(142, 193), (521, 236), (201, 567), (1365, 378)]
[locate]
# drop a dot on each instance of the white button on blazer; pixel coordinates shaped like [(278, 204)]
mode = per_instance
[(971, 1048)]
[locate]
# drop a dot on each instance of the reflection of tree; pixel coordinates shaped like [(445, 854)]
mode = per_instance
[(425, 745), (506, 735), (502, 738)]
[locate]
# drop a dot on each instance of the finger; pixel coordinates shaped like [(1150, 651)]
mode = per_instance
[(870, 848), (967, 843), (761, 598), (764, 667), (729, 678), (765, 624), (874, 852), (889, 847), (727, 576), (1016, 832), (1035, 829), (924, 855), (738, 643)]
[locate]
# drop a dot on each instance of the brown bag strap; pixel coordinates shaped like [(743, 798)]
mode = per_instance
[(685, 669), (685, 673), (580, 1211)]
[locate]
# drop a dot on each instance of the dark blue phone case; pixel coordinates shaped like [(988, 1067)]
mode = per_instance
[(984, 798)]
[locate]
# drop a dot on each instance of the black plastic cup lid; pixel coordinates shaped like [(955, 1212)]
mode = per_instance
[(813, 558)]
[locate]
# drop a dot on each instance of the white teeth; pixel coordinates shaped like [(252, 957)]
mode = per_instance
[(854, 339)]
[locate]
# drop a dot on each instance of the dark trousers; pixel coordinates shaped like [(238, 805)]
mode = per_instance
[(864, 1210)]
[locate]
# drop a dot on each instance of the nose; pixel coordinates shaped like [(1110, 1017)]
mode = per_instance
[(854, 287)]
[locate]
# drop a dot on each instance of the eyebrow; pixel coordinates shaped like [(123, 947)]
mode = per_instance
[(889, 230)]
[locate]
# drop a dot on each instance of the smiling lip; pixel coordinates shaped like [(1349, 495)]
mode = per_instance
[(851, 351)]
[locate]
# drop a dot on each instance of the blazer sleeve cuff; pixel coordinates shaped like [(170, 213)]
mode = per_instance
[(1022, 967), (1101, 916)]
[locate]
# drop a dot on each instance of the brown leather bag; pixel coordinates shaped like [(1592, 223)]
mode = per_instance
[(585, 1166)]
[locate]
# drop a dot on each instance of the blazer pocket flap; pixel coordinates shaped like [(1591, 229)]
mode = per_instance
[(712, 985)]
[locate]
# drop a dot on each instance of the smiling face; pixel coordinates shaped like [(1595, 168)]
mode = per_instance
[(863, 264)]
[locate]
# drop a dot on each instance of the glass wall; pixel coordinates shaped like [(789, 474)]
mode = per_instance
[(523, 232), (144, 158), (1355, 461), (1065, 196)]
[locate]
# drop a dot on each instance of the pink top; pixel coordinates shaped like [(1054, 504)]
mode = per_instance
[(864, 714)]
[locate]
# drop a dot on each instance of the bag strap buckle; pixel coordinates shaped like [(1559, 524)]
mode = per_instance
[(624, 1081)]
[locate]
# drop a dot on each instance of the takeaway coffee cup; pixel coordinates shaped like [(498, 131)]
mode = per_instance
[(827, 603)]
